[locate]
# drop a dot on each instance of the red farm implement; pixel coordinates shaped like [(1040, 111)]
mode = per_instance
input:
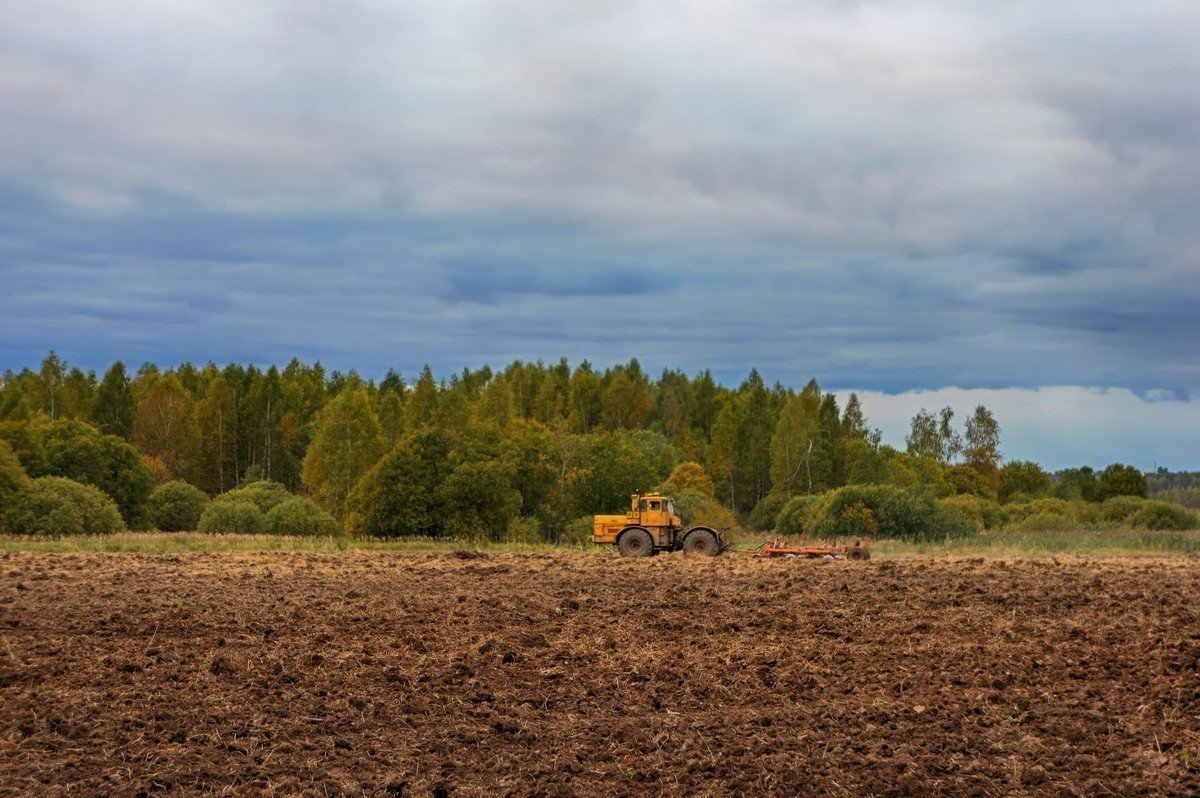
[(861, 550)]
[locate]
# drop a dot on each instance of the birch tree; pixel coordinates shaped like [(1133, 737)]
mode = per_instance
[(347, 442)]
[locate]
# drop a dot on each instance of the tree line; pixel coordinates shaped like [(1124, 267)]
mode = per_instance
[(535, 443)]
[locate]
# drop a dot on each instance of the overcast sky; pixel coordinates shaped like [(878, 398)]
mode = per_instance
[(891, 197)]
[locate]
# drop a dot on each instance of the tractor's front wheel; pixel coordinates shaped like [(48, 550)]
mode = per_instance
[(702, 542), (636, 543)]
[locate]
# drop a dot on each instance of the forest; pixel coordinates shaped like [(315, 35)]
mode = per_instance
[(528, 452)]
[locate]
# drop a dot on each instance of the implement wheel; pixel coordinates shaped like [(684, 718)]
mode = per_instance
[(858, 553), (702, 542), (635, 543)]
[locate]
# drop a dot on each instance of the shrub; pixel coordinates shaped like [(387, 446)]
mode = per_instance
[(55, 506), (979, 512), (857, 520), (262, 494), (1019, 511), (578, 530), (81, 453), (1121, 508), (177, 506), (1043, 522), (301, 517), (236, 517), (797, 515), (898, 513), (12, 475), (1077, 513), (695, 508), (1160, 515), (523, 530), (254, 473), (766, 512), (689, 503)]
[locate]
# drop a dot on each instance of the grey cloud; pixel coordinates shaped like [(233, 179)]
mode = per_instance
[(883, 195)]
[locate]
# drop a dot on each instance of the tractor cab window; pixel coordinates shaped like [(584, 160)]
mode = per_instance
[(671, 508), (642, 505), (655, 505)]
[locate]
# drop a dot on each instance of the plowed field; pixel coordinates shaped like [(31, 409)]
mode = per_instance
[(404, 674)]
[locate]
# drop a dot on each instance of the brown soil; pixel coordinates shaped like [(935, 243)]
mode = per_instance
[(419, 675)]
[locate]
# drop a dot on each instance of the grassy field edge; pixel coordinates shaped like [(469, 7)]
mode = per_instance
[(1107, 543)]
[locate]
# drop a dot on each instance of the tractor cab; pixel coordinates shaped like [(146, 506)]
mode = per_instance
[(652, 510)]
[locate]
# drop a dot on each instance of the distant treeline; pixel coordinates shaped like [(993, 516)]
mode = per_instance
[(1180, 487), (534, 443)]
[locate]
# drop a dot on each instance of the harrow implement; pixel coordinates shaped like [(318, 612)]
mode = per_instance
[(861, 550)]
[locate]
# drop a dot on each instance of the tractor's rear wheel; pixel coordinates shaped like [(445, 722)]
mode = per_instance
[(702, 542), (635, 543)]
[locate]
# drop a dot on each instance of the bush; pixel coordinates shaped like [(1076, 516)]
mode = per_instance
[(766, 512), (1160, 515), (696, 509), (1077, 513), (55, 506), (897, 513), (1043, 522), (232, 517), (798, 514), (254, 473), (301, 517), (578, 530), (524, 530), (979, 512), (263, 494), (1127, 511), (81, 453), (1121, 508), (177, 506), (12, 475), (858, 521)]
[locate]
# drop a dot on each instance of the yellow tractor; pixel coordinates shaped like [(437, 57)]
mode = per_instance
[(651, 526)]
